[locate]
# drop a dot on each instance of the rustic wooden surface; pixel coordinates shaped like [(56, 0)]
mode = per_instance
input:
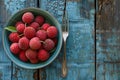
[(92, 46), (107, 40)]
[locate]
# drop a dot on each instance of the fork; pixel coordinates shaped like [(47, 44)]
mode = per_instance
[(65, 28)]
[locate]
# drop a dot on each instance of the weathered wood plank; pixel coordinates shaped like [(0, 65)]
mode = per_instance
[(107, 40), (108, 30), (56, 8), (80, 43), (11, 71), (5, 71), (108, 71), (80, 71)]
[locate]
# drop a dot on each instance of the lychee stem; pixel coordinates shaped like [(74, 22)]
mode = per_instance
[(42, 42), (25, 24), (21, 35)]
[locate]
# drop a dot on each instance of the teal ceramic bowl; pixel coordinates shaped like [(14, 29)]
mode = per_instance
[(16, 17)]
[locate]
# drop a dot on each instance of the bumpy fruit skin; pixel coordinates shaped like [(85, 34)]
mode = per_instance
[(48, 44), (55, 40), (43, 55), (35, 25), (29, 32), (23, 43), (27, 17), (20, 28), (40, 20), (34, 61), (45, 26), (52, 32), (17, 23), (35, 43), (31, 54), (41, 34), (22, 56), (14, 37), (14, 48)]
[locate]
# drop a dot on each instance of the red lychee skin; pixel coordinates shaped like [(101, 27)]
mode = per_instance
[(31, 54), (17, 23), (45, 26), (52, 32), (40, 20), (23, 43), (14, 37), (43, 55), (22, 56), (48, 44), (27, 17), (35, 43), (35, 25), (29, 32), (41, 34), (34, 61), (14, 48), (55, 40), (20, 28)]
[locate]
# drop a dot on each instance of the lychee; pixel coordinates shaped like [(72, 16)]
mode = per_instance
[(20, 28), (45, 26), (35, 43), (41, 34), (17, 23), (14, 48), (43, 55), (40, 20), (48, 44), (14, 37), (27, 17), (34, 61), (29, 32), (22, 56), (52, 32), (31, 54), (23, 43), (55, 40), (35, 25)]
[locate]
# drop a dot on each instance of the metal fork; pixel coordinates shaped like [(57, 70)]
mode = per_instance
[(65, 28)]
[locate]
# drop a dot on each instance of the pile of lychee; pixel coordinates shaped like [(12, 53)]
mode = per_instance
[(34, 39)]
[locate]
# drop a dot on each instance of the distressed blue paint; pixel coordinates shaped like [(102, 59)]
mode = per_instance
[(108, 39), (7, 68), (108, 32), (80, 43), (5, 71), (13, 6), (22, 74), (55, 7), (106, 51), (83, 71), (108, 71)]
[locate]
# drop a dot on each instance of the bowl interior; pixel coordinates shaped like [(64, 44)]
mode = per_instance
[(17, 17)]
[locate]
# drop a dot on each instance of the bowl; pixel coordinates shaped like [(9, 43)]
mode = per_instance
[(16, 17)]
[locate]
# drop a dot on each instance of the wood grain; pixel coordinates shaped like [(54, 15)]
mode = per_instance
[(8, 70), (107, 39), (80, 43)]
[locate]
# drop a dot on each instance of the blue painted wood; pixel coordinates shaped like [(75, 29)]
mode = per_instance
[(8, 70), (108, 31), (5, 71), (108, 71), (80, 43), (107, 36)]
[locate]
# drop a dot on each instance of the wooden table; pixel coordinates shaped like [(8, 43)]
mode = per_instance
[(93, 46)]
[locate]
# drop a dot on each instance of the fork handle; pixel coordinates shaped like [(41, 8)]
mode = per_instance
[(64, 63)]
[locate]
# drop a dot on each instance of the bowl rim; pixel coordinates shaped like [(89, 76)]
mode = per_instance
[(21, 63)]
